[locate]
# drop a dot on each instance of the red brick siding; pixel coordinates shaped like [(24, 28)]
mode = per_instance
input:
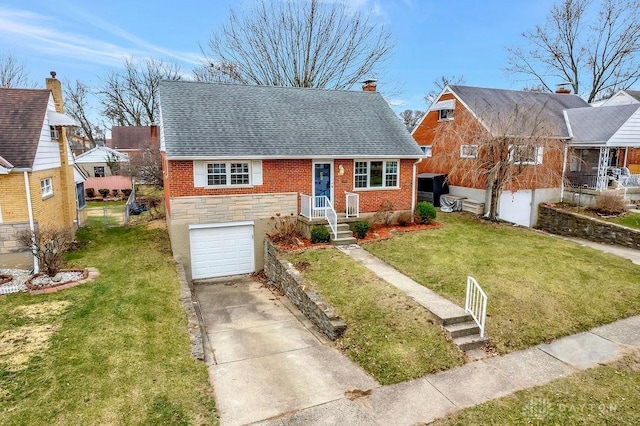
[(294, 176)]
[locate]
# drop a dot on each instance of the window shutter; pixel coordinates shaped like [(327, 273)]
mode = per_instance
[(199, 174), (256, 172), (539, 155)]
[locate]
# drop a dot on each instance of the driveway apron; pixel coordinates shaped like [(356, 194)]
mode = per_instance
[(267, 361)]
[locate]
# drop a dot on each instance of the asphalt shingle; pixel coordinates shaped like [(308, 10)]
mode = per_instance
[(598, 124)]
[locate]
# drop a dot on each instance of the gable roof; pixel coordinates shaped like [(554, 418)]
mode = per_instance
[(22, 113), (600, 125), (100, 154), (487, 104), (130, 137), (204, 120)]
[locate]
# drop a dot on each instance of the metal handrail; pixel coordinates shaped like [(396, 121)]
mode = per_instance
[(353, 204), (476, 303), (319, 207)]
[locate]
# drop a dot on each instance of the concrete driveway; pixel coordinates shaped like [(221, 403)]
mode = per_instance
[(267, 360)]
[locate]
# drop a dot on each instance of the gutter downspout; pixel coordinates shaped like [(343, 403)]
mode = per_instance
[(414, 194), (36, 267), (564, 171)]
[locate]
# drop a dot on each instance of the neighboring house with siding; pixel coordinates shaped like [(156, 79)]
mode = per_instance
[(234, 156), (99, 161), (39, 185)]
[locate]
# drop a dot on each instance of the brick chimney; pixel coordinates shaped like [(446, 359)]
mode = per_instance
[(369, 85), (55, 86), (562, 89)]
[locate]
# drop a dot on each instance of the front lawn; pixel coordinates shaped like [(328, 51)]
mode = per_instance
[(607, 394), (632, 220), (112, 351), (539, 287), (389, 335)]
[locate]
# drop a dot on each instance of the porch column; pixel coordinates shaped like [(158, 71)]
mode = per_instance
[(603, 164)]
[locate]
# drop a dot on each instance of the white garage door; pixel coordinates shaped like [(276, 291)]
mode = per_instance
[(218, 250), (515, 207)]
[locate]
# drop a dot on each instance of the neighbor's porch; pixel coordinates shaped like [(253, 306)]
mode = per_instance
[(601, 168)]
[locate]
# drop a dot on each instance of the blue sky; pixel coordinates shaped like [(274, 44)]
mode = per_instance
[(84, 39)]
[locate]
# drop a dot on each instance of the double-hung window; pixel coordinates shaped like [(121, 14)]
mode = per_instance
[(376, 174), (46, 187), (469, 151), (225, 174), (525, 154)]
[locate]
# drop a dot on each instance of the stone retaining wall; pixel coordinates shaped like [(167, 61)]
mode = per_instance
[(291, 282), (569, 224)]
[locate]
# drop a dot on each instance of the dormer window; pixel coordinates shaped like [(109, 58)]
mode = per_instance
[(55, 135)]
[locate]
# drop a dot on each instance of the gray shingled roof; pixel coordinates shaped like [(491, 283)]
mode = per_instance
[(222, 120), (22, 114), (596, 125), (634, 93), (488, 104)]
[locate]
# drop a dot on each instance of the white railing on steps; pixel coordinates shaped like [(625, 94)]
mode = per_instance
[(476, 303), (353, 204), (319, 207)]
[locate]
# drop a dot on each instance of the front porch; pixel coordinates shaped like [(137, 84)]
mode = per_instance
[(600, 169), (319, 210)]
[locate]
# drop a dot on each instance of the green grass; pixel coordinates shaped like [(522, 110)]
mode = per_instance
[(389, 335), (632, 220), (604, 395), (116, 350), (539, 287)]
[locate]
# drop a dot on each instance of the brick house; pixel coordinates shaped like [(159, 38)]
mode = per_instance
[(234, 156), (460, 108), (39, 184)]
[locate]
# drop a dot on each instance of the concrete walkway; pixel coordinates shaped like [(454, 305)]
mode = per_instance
[(624, 252), (270, 366)]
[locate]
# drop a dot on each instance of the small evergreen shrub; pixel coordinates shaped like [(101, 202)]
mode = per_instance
[(114, 192), (90, 192), (360, 228), (126, 192), (425, 212), (404, 218), (104, 192), (320, 234)]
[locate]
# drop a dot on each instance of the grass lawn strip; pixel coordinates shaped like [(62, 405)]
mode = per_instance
[(389, 335), (631, 220), (607, 394), (117, 349), (539, 288)]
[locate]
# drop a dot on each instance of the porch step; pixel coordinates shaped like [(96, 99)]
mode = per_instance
[(343, 241), (344, 237), (467, 343), (462, 329)]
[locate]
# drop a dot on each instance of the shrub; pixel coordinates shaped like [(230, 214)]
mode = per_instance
[(609, 203), (48, 245), (104, 192), (425, 212), (320, 234), (360, 228), (384, 213), (284, 229), (90, 192), (404, 218), (126, 192), (114, 192)]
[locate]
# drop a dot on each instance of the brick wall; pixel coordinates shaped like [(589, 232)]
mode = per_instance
[(569, 224), (290, 281)]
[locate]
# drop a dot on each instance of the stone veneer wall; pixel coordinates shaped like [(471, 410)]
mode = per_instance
[(290, 281), (569, 224), (9, 237)]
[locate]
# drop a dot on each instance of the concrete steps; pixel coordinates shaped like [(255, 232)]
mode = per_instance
[(344, 237), (466, 335)]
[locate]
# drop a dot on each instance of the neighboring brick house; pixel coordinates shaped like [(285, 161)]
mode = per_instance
[(133, 140), (39, 185), (460, 108), (234, 156)]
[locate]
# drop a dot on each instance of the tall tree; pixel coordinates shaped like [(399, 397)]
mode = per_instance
[(304, 43), (411, 117), (129, 95), (439, 84), (12, 72), (505, 152), (77, 103), (598, 53)]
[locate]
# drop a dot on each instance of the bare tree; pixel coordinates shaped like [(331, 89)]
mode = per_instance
[(504, 152), (77, 103), (411, 117), (129, 96), (145, 166), (597, 56), (12, 72), (440, 83), (305, 43)]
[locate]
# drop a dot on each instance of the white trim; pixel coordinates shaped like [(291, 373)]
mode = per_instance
[(384, 174), (539, 154), (221, 224), (236, 158), (462, 147), (424, 151), (443, 105), (50, 186)]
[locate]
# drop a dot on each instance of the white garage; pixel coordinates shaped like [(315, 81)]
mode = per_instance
[(515, 207), (221, 249)]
